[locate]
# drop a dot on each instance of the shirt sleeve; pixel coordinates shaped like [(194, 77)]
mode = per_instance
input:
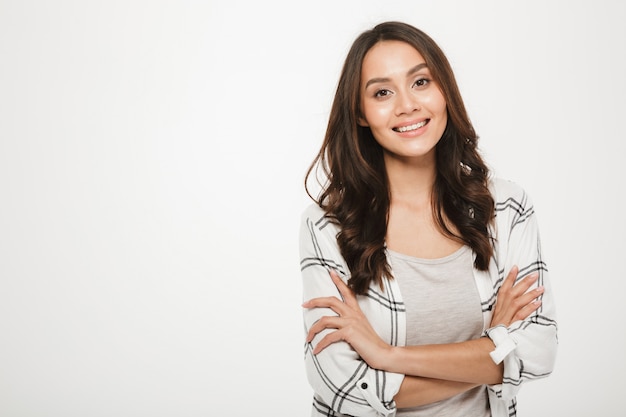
[(528, 347), (341, 380)]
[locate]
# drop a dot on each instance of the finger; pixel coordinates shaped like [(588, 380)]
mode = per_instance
[(529, 296), (510, 278), (524, 284), (344, 290), (527, 310), (326, 322), (326, 341), (322, 302), (332, 302)]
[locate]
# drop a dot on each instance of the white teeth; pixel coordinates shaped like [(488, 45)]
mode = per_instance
[(411, 127)]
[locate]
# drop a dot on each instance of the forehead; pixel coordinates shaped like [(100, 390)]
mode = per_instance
[(390, 58)]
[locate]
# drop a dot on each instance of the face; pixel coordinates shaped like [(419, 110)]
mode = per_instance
[(400, 102)]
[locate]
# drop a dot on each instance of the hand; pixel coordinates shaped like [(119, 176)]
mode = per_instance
[(515, 302), (351, 324)]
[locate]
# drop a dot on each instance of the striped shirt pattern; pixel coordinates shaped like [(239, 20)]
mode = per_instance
[(344, 385)]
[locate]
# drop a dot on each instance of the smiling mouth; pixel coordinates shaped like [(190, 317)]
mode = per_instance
[(411, 127)]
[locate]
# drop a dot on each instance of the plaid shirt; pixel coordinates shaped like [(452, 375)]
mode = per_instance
[(344, 384)]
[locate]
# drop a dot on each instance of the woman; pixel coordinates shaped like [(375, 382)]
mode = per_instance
[(411, 221)]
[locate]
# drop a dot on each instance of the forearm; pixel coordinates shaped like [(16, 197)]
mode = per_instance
[(416, 391), (463, 362)]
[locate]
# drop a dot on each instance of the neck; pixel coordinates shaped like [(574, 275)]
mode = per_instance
[(411, 181)]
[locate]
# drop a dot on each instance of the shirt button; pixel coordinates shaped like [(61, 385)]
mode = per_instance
[(364, 385)]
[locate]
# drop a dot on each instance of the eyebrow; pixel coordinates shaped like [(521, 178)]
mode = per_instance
[(408, 73)]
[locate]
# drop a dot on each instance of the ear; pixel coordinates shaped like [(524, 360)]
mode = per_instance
[(362, 122)]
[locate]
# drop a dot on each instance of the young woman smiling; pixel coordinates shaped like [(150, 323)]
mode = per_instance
[(424, 284)]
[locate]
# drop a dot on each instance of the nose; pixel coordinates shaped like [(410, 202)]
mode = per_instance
[(406, 103)]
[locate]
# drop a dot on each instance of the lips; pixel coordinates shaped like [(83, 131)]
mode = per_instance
[(412, 127)]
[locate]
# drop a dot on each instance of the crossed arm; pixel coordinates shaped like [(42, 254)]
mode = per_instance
[(433, 372)]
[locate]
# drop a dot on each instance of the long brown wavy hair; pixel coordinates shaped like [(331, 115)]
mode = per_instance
[(355, 194)]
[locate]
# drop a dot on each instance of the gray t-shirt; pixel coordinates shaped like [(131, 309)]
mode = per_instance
[(442, 306)]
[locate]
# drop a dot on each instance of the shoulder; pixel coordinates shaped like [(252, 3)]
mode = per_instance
[(314, 217), (513, 206), (318, 239), (312, 211), (510, 197), (504, 191)]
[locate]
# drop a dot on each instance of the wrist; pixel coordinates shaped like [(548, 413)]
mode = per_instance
[(390, 358)]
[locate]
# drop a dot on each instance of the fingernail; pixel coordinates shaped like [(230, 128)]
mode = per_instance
[(539, 289)]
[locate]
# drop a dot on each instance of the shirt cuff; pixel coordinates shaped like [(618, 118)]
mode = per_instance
[(368, 390), (505, 344)]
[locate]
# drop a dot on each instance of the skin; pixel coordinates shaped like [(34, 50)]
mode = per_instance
[(397, 91)]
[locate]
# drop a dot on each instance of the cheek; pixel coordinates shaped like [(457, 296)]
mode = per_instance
[(444, 108), (441, 104), (436, 103), (377, 114), (444, 111)]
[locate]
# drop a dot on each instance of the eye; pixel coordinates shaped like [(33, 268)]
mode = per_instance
[(382, 93), (421, 82)]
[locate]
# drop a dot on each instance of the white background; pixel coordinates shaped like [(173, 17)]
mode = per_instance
[(152, 155)]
